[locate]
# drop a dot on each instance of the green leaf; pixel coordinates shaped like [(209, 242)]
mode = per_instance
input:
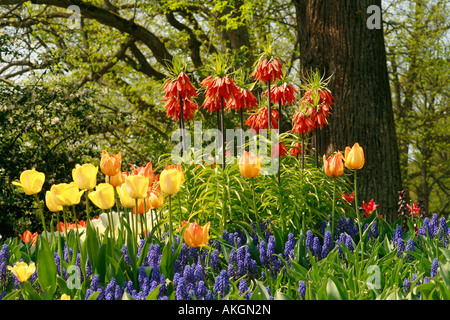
[(46, 268), (154, 294), (260, 292)]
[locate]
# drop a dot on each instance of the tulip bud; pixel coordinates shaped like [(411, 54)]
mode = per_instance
[(110, 165), (137, 186), (354, 157), (171, 180), (333, 166), (67, 194), (249, 165), (103, 196), (31, 181), (195, 235), (85, 176)]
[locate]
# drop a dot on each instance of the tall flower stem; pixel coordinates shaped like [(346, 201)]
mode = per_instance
[(65, 222), (111, 227), (88, 217), (170, 221), (241, 115), (303, 151), (59, 239), (135, 217), (358, 216), (254, 201), (41, 209), (145, 219), (269, 108), (279, 132), (222, 107), (76, 227), (182, 126), (332, 211)]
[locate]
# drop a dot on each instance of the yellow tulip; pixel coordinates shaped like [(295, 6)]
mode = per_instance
[(170, 181), (110, 164), (125, 199), (22, 270), (195, 235), (249, 165), (50, 200), (31, 181), (65, 297), (103, 196), (67, 194), (137, 186), (354, 157), (85, 176)]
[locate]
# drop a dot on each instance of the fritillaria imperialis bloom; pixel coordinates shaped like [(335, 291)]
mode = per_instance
[(180, 90), (333, 165), (171, 179), (268, 70), (22, 270), (296, 149), (282, 150), (284, 94), (31, 181), (245, 99), (218, 88), (302, 123), (103, 196), (249, 165), (85, 176), (28, 237), (260, 120), (110, 164), (354, 157), (195, 235)]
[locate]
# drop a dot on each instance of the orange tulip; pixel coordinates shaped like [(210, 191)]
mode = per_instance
[(250, 165), (195, 235), (354, 157), (110, 164), (333, 166), (29, 237), (118, 179)]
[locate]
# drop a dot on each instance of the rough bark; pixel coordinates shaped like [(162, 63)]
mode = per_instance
[(334, 38)]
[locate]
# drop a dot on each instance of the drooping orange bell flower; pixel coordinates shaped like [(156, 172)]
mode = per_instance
[(282, 150), (354, 157), (217, 88), (333, 166), (195, 235), (296, 149), (284, 94), (302, 123), (245, 99), (110, 164), (260, 120), (29, 237), (268, 70), (179, 92), (249, 165)]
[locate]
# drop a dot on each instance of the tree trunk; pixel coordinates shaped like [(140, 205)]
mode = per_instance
[(335, 39)]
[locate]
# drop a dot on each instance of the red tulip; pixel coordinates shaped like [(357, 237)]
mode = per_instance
[(415, 211), (29, 237), (370, 207), (349, 197)]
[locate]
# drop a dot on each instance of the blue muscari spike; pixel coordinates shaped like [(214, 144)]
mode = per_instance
[(222, 284), (301, 290), (309, 239), (434, 268), (316, 248), (181, 292), (398, 234), (188, 274), (201, 290), (443, 232), (400, 247), (349, 243), (243, 288), (289, 247), (214, 261), (326, 244), (409, 247), (126, 257), (199, 273), (406, 285), (434, 225)]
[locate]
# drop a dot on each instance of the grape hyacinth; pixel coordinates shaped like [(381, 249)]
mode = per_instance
[(434, 268), (301, 290)]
